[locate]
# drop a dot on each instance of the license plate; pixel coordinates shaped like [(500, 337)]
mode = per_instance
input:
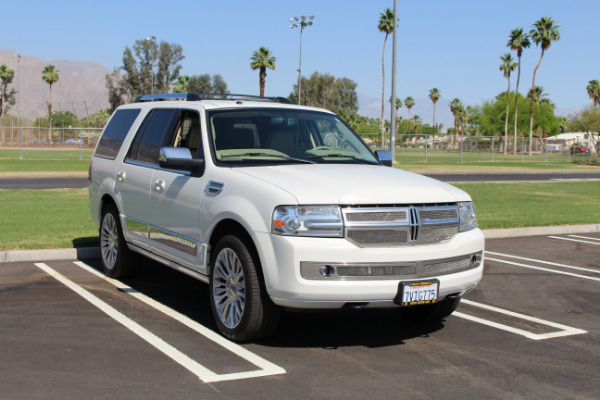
[(418, 292)]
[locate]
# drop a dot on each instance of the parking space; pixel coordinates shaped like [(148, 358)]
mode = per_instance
[(531, 329)]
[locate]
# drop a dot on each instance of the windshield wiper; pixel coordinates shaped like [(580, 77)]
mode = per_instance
[(259, 154), (338, 155)]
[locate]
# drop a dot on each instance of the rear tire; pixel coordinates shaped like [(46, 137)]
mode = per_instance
[(117, 260), (431, 312), (239, 301)]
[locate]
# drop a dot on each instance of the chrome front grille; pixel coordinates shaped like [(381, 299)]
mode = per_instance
[(390, 226)]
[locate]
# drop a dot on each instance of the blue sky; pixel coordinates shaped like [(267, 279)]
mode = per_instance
[(452, 45)]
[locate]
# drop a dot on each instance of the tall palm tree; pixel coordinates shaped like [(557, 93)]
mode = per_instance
[(50, 76), (6, 76), (409, 103), (593, 90), (544, 32), (385, 25), (517, 41), (508, 65), (262, 59), (434, 95)]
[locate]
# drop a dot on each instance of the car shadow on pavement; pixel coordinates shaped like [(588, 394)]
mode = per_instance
[(314, 329), (371, 328)]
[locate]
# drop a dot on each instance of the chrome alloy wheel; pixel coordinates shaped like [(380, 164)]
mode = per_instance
[(229, 289), (109, 241)]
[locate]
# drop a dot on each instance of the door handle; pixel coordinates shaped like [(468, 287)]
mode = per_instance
[(159, 185), (121, 175)]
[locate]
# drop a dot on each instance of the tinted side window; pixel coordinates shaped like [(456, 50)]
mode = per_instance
[(115, 133), (154, 133)]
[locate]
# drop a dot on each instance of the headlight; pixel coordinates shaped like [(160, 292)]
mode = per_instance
[(318, 221), (468, 216)]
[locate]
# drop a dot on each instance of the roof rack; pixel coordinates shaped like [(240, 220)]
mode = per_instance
[(208, 96)]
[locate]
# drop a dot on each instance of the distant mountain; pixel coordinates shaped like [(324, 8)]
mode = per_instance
[(81, 84), (371, 107)]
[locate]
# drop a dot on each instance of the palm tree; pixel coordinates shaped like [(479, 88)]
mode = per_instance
[(398, 105), (386, 25), (593, 90), (262, 59), (517, 41), (455, 106), (544, 33), (417, 123), (6, 76), (409, 103), (434, 95), (182, 85), (508, 65), (50, 76)]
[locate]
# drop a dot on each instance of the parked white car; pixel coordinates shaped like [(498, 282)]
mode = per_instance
[(277, 206)]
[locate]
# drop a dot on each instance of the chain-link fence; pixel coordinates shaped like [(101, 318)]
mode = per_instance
[(454, 148), (13, 137)]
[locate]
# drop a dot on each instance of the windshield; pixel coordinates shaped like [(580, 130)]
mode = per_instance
[(274, 136)]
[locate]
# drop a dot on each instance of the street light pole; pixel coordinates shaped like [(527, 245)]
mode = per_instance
[(302, 23), (153, 54), (18, 57)]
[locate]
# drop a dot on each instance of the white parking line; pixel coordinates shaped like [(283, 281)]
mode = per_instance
[(584, 237), (591, 278), (266, 367), (574, 240), (563, 329), (594, 271)]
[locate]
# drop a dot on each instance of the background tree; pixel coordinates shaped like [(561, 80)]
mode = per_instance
[(262, 59), (6, 77), (545, 32), (327, 91), (170, 56), (508, 65), (398, 106), (182, 84), (517, 41), (434, 95), (593, 90), (207, 84), (416, 122), (50, 75), (455, 107), (385, 25), (586, 120), (135, 77), (409, 103)]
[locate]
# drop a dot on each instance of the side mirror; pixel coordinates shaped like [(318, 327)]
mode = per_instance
[(384, 157), (179, 158)]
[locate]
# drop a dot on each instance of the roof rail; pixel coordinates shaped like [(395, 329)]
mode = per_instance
[(168, 96), (209, 96)]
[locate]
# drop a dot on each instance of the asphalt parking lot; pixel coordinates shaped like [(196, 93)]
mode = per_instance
[(531, 330)]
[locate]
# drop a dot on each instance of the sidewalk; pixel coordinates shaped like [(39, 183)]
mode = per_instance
[(93, 252)]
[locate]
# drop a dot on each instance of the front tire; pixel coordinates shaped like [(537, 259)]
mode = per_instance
[(240, 304), (117, 260)]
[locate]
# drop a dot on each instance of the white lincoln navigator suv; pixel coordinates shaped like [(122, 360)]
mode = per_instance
[(277, 206)]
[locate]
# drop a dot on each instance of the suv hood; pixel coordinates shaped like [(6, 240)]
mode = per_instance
[(355, 184)]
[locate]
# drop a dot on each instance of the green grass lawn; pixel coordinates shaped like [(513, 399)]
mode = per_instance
[(37, 219)]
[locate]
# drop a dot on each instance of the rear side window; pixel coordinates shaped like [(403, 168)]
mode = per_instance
[(154, 133), (115, 133)]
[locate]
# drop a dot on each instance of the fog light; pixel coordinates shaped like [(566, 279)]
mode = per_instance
[(474, 261), (327, 271)]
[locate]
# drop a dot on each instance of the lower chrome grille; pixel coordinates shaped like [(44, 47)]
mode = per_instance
[(379, 271), (390, 226)]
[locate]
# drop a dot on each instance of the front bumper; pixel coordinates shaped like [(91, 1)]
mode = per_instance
[(369, 276)]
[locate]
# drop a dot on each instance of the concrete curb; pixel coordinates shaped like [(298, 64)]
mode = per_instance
[(93, 252)]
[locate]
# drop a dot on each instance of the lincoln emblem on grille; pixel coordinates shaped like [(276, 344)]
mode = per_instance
[(414, 224)]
